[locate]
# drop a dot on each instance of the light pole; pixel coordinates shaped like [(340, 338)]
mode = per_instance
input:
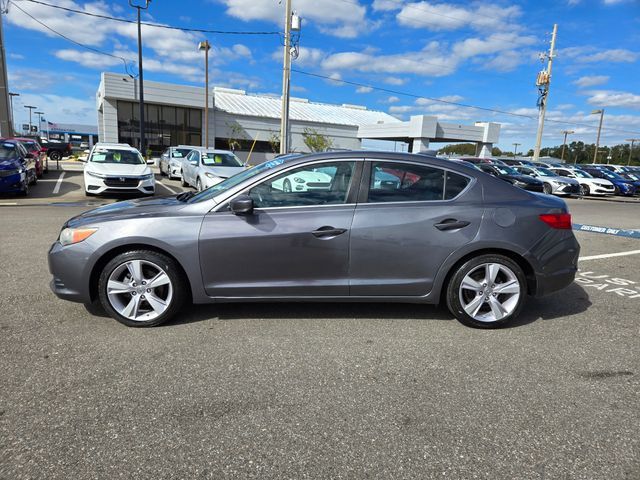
[(13, 126), (632, 140), (292, 23), (564, 143), (206, 46), (595, 153), (515, 148), (39, 120), (30, 107), (140, 77)]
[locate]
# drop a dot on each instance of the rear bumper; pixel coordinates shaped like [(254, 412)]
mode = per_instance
[(555, 262)]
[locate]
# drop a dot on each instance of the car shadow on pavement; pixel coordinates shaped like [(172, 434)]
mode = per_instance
[(571, 301)]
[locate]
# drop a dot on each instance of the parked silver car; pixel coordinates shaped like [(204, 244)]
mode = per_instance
[(553, 183), (171, 160), (445, 232), (205, 167)]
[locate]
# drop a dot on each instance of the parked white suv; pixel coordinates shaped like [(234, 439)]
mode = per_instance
[(117, 168)]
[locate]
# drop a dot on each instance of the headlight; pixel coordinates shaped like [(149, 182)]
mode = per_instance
[(69, 236), (96, 175), (210, 175), (298, 179), (147, 176)]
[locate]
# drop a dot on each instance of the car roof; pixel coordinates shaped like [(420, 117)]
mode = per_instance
[(115, 146), (210, 150)]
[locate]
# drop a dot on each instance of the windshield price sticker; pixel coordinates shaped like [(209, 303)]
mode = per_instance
[(617, 286)]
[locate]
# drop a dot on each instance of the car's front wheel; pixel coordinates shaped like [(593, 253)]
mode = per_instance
[(183, 181), (487, 291), (584, 190), (547, 188), (142, 288), (55, 155)]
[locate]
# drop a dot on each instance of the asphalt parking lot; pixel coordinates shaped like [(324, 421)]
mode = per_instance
[(318, 390)]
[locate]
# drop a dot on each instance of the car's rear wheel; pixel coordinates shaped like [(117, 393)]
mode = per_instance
[(487, 291), (142, 288), (55, 155), (547, 188), (183, 182)]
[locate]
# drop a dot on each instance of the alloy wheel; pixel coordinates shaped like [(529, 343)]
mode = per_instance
[(489, 292), (139, 290)]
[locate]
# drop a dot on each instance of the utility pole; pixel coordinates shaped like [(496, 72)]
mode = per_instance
[(13, 122), (30, 107), (595, 153), (632, 140), (515, 148), (543, 82), (6, 127), (206, 46), (140, 76), (564, 143), (39, 121), (286, 80), (291, 23)]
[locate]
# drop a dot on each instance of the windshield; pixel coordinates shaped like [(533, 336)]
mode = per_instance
[(7, 151), (544, 172), (581, 174), (610, 175), (31, 146), (231, 182), (505, 170), (212, 159), (180, 153), (121, 157)]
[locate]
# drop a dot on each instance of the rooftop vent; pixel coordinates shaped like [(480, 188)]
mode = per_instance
[(300, 100), (229, 90), (355, 107)]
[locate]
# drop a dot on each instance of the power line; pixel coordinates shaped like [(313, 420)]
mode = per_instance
[(87, 47), (448, 102), (149, 24)]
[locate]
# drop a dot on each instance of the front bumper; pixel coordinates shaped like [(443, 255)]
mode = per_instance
[(13, 183), (572, 189), (175, 170), (119, 184), (68, 265)]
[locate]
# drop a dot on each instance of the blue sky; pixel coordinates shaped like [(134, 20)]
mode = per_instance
[(482, 53)]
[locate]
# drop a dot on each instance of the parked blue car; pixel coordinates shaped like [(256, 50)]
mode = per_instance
[(622, 185), (17, 168)]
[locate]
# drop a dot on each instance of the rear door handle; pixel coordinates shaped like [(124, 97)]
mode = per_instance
[(327, 231), (451, 224)]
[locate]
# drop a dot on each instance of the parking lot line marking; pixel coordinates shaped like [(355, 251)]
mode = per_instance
[(609, 255), (56, 189), (167, 187), (8, 204)]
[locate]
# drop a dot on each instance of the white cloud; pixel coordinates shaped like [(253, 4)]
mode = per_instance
[(88, 59), (394, 81), (364, 90), (612, 98), (591, 80), (333, 17), (386, 5), (392, 99), (444, 16), (590, 54), (242, 50)]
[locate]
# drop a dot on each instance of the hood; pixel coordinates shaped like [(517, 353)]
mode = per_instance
[(156, 206), (224, 172), (10, 164), (116, 169), (558, 178)]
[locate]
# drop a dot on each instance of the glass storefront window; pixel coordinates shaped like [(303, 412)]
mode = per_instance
[(164, 125)]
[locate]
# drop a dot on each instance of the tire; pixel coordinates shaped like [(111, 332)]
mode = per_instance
[(548, 189), (479, 311), (95, 308), (160, 168), (55, 155), (286, 186), (34, 179), (183, 181), (584, 190), (119, 305), (198, 185), (616, 190), (25, 189)]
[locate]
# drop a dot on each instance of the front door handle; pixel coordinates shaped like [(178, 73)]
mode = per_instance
[(327, 231), (451, 224)]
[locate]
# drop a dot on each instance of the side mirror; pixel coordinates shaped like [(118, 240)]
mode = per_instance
[(242, 205)]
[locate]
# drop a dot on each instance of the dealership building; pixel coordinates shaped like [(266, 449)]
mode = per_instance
[(174, 115)]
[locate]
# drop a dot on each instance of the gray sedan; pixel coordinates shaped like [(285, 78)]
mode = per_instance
[(440, 232)]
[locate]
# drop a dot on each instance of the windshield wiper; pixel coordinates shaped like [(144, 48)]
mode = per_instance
[(184, 196)]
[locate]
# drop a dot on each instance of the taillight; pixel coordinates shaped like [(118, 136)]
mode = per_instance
[(561, 221)]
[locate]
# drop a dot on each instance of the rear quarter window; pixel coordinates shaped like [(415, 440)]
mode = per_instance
[(455, 184)]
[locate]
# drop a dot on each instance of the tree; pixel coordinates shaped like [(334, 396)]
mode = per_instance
[(236, 135), (468, 149), (274, 142), (315, 141)]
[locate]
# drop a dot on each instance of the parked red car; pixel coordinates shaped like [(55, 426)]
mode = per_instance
[(39, 153)]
